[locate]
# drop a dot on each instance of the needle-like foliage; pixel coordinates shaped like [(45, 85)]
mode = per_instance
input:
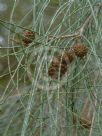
[(62, 36)]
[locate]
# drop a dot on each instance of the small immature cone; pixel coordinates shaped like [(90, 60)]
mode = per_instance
[(85, 118), (86, 114), (80, 50), (28, 37), (85, 122)]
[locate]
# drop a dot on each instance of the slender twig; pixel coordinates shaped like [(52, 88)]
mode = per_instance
[(63, 36), (84, 25), (78, 33), (12, 24), (16, 41)]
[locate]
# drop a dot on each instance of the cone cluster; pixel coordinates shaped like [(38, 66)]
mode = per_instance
[(28, 37), (60, 64)]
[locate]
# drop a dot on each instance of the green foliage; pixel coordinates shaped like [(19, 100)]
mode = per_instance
[(31, 102)]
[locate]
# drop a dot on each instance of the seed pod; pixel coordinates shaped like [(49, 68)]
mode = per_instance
[(80, 50), (28, 37)]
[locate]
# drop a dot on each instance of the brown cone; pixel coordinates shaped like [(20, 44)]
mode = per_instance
[(59, 65), (71, 55), (80, 50), (28, 37)]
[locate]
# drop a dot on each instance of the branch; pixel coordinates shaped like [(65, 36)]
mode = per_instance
[(79, 33)]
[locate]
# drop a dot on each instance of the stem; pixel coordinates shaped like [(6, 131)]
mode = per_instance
[(84, 25), (79, 33)]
